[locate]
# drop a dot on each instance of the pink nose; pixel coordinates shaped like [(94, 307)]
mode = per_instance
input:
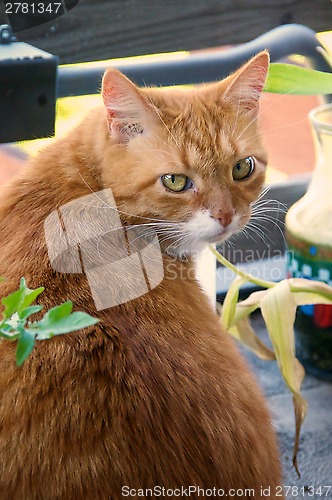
[(224, 217)]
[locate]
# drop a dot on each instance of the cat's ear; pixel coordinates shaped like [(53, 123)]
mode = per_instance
[(247, 83), (128, 112)]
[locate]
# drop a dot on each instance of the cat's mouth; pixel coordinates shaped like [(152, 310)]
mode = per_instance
[(222, 235)]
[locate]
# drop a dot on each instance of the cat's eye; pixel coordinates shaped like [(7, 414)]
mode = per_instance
[(243, 168), (176, 182)]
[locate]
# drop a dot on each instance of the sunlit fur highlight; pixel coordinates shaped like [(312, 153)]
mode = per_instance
[(156, 393)]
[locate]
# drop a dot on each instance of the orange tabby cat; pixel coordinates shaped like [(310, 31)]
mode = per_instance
[(156, 394)]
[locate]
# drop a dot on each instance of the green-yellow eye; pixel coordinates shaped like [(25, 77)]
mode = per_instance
[(176, 182), (243, 168)]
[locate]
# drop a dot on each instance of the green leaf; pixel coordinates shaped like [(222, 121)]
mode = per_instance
[(29, 311), (292, 79), (57, 313), (28, 296), (60, 319), (19, 300), (4, 333), (11, 303), (25, 344)]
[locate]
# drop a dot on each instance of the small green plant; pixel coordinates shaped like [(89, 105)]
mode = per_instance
[(16, 324)]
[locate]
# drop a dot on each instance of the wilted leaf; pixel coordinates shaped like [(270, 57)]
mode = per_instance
[(310, 291), (279, 300), (278, 310), (248, 306), (230, 302), (243, 332)]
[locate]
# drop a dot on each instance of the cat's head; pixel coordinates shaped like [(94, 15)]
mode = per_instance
[(187, 163)]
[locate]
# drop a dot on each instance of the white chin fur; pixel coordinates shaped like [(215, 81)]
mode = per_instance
[(201, 230)]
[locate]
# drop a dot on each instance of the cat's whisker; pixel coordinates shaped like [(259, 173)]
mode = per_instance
[(259, 232), (268, 218), (266, 205), (171, 232), (270, 203), (247, 126), (266, 108), (149, 229), (289, 124), (276, 223), (272, 213), (226, 243), (263, 193), (247, 234)]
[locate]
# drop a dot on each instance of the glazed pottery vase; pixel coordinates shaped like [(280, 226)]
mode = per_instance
[(309, 239)]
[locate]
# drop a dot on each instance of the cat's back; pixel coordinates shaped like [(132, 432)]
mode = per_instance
[(135, 402)]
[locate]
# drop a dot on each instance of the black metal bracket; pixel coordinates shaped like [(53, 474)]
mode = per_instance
[(6, 34), (27, 89)]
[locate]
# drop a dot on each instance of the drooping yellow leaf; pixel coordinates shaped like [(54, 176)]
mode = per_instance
[(278, 310), (310, 292), (244, 332), (230, 302), (248, 306)]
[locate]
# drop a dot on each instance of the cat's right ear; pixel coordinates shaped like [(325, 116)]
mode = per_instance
[(246, 84), (128, 112)]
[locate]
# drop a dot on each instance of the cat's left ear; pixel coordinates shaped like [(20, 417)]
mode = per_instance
[(128, 112), (247, 83)]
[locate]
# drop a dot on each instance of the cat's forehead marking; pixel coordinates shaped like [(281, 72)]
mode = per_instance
[(227, 146), (193, 154), (211, 149)]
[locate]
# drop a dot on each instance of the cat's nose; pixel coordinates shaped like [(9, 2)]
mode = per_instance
[(224, 217)]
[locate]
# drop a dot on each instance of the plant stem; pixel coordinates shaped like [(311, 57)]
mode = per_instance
[(261, 283)]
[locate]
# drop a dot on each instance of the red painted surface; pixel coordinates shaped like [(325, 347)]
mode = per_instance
[(323, 315), (286, 132), (10, 163)]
